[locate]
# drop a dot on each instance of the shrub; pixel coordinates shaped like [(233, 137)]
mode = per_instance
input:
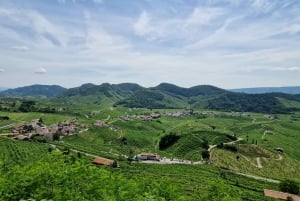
[(168, 140), (289, 186)]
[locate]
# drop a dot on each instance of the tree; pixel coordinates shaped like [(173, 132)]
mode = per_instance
[(205, 144), (56, 136), (289, 186), (168, 140), (205, 155)]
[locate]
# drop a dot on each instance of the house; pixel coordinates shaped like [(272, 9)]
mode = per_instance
[(268, 132), (103, 161), (280, 195), (147, 156)]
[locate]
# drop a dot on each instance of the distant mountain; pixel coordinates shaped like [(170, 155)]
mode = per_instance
[(163, 96), (34, 90), (210, 97), (100, 94), (2, 89), (262, 90), (189, 92)]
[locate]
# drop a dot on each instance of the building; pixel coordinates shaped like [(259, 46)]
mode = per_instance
[(103, 161), (147, 156), (280, 195)]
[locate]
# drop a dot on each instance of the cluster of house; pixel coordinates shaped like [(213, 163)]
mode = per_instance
[(35, 127), (104, 124), (270, 117), (144, 117), (147, 156), (179, 113)]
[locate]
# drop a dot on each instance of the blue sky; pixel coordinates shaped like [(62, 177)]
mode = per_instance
[(227, 43)]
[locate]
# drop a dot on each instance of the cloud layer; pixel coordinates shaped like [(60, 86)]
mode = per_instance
[(228, 43)]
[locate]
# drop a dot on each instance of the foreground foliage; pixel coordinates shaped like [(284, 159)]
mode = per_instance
[(64, 177)]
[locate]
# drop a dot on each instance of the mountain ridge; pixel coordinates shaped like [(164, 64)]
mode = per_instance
[(34, 90), (261, 90)]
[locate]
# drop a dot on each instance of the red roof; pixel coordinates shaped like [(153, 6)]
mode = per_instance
[(103, 161), (280, 195)]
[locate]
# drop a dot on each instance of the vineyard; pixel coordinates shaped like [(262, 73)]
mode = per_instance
[(13, 152)]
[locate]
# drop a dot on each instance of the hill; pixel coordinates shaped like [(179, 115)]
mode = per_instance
[(261, 90), (34, 90), (100, 94), (2, 89), (163, 96), (210, 97)]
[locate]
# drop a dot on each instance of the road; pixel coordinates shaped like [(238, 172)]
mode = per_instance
[(232, 142), (258, 162), (255, 177)]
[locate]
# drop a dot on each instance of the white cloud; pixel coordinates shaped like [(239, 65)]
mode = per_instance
[(142, 25), (40, 70), (21, 48), (293, 68), (204, 16)]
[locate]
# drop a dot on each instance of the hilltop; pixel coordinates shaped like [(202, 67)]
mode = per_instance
[(34, 91), (163, 96), (262, 90)]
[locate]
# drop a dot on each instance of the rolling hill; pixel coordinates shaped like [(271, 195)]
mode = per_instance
[(262, 90), (163, 96), (34, 90)]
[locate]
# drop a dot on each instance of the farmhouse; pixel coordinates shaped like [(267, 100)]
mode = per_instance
[(268, 132), (280, 195), (103, 161), (147, 156)]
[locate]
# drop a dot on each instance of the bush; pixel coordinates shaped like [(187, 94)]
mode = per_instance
[(289, 186), (205, 155), (230, 147), (205, 144), (168, 140)]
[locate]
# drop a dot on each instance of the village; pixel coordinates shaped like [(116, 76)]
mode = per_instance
[(36, 127)]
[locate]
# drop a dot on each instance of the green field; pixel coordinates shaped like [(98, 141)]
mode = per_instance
[(185, 182)]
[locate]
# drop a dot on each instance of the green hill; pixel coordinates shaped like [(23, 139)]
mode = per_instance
[(34, 90)]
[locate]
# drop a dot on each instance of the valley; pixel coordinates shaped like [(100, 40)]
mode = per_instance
[(201, 153)]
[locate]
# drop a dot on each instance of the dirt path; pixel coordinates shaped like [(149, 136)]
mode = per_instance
[(232, 142), (258, 162), (279, 158), (256, 177)]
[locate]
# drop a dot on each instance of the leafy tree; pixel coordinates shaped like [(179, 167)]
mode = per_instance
[(205, 144), (168, 140), (27, 106), (289, 186), (205, 154)]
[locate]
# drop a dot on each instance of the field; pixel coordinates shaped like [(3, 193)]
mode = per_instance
[(255, 137)]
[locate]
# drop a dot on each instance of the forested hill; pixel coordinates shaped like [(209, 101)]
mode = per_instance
[(209, 97), (34, 90), (163, 96), (261, 90)]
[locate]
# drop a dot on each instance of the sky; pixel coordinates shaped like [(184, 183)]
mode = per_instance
[(226, 43)]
